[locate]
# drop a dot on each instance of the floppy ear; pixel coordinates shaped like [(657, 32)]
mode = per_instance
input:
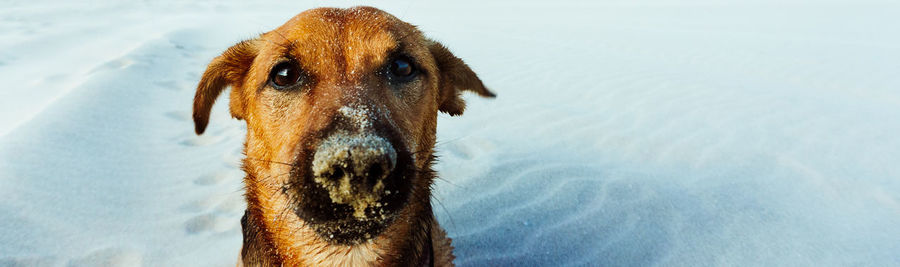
[(455, 77), (230, 68)]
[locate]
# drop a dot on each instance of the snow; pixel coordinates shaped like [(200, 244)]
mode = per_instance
[(668, 132)]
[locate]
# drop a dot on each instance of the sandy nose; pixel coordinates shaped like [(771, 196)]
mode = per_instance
[(353, 167)]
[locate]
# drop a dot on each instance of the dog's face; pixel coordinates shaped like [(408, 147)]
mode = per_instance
[(341, 108)]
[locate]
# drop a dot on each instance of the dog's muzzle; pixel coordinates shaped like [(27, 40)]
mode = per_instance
[(352, 178)]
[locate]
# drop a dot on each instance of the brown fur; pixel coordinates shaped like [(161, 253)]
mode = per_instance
[(341, 52)]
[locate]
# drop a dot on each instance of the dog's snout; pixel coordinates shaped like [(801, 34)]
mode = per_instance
[(359, 162), (353, 169)]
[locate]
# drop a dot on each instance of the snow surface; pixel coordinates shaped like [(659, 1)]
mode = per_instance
[(625, 133)]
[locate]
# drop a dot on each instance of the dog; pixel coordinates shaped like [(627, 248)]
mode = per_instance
[(341, 109)]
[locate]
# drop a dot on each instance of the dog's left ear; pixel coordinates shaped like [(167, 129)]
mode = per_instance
[(455, 77), (228, 69)]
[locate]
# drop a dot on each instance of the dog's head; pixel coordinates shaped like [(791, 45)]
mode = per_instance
[(341, 108)]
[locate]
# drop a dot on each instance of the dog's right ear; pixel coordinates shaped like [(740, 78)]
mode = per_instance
[(228, 69)]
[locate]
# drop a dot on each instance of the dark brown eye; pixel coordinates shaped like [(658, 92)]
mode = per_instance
[(284, 75), (402, 69)]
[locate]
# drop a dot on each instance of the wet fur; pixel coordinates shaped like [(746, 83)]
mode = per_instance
[(339, 48)]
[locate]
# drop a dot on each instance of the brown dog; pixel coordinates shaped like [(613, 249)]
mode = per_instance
[(341, 110)]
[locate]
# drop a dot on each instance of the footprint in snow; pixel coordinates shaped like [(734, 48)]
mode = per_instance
[(202, 140), (115, 64), (209, 223)]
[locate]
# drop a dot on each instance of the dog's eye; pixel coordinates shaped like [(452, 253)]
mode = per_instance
[(284, 74), (402, 69)]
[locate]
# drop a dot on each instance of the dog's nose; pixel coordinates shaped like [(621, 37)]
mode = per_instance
[(353, 169), (360, 160)]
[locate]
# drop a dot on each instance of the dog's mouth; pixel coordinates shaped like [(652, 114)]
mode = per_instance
[(352, 187)]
